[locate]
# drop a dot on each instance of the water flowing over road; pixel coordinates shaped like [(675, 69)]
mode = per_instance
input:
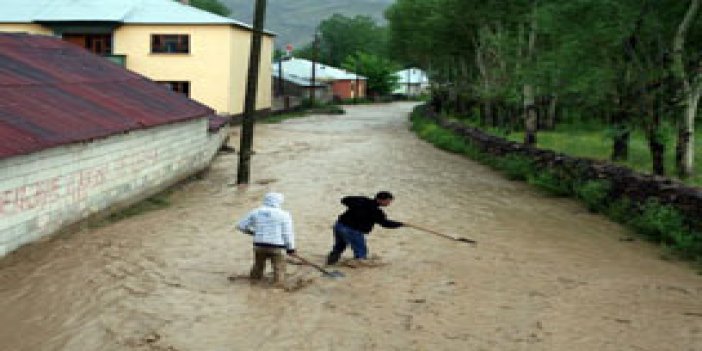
[(546, 275)]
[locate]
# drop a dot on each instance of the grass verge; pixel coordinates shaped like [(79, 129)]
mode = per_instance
[(654, 221)]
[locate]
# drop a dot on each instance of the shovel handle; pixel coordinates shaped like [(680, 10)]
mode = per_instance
[(310, 263), (439, 234)]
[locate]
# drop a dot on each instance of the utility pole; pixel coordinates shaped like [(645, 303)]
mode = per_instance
[(315, 49), (281, 90), (355, 87), (247, 126)]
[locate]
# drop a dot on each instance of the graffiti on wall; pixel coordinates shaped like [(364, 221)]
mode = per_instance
[(73, 187)]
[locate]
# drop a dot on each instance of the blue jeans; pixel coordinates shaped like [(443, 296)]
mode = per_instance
[(345, 236)]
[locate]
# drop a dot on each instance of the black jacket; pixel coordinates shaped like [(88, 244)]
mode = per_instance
[(362, 213)]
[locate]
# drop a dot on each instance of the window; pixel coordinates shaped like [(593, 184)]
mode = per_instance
[(100, 44), (178, 87), (170, 43)]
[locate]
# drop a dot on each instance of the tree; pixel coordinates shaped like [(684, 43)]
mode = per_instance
[(342, 36), (213, 6), (691, 91), (379, 71)]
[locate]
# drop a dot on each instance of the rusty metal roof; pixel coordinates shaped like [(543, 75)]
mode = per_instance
[(54, 93)]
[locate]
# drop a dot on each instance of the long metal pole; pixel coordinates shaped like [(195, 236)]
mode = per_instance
[(315, 48), (247, 126), (280, 77), (355, 87)]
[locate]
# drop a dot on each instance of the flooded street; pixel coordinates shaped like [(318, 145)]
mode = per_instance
[(546, 275)]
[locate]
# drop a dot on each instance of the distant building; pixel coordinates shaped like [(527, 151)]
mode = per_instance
[(412, 82), (79, 135), (199, 54), (343, 83), (299, 88)]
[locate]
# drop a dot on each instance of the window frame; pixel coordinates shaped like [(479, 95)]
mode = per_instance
[(170, 44), (177, 86)]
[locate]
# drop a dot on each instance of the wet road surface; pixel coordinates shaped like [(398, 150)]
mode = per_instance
[(546, 275)]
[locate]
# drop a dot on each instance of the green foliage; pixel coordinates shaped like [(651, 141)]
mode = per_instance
[(594, 193), (657, 222), (551, 182), (516, 167), (609, 61), (440, 137), (213, 6), (343, 36), (620, 210), (591, 140), (295, 20), (379, 71)]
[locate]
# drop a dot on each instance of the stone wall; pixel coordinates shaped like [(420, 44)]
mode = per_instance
[(625, 182), (43, 192)]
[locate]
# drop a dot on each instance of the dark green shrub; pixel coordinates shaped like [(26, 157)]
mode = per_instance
[(620, 210), (594, 193), (516, 167), (551, 183), (657, 221)]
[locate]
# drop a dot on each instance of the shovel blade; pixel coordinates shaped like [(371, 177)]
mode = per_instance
[(468, 241), (334, 274)]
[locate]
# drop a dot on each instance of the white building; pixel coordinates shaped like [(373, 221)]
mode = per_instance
[(342, 82), (412, 82)]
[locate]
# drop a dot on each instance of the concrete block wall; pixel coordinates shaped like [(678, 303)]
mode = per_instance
[(45, 191)]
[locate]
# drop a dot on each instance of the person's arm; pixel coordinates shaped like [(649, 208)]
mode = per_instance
[(384, 222), (246, 224), (289, 235)]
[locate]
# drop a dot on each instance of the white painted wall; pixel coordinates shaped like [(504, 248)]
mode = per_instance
[(43, 192)]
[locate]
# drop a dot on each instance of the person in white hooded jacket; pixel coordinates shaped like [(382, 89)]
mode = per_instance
[(272, 230)]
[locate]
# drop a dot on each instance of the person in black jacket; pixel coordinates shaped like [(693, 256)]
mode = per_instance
[(358, 220)]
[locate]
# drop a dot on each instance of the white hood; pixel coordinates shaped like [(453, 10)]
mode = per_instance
[(273, 200)]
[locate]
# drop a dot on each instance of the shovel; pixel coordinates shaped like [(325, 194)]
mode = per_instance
[(464, 240), (328, 274)]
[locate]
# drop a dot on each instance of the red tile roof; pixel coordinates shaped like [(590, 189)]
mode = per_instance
[(54, 93)]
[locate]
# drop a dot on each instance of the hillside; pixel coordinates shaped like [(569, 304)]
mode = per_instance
[(295, 21)]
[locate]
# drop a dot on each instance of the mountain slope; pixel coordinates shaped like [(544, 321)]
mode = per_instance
[(295, 21)]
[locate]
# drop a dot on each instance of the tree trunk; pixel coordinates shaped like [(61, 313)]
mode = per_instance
[(531, 118), (685, 150), (484, 110), (655, 143), (684, 155), (620, 151), (551, 114), (485, 81)]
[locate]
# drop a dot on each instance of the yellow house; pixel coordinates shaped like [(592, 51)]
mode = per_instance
[(197, 53)]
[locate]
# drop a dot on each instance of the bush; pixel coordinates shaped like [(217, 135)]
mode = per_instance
[(620, 210), (594, 193), (440, 137), (665, 224), (516, 167), (656, 221), (551, 183)]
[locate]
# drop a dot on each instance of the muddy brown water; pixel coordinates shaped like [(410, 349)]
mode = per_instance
[(546, 275)]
